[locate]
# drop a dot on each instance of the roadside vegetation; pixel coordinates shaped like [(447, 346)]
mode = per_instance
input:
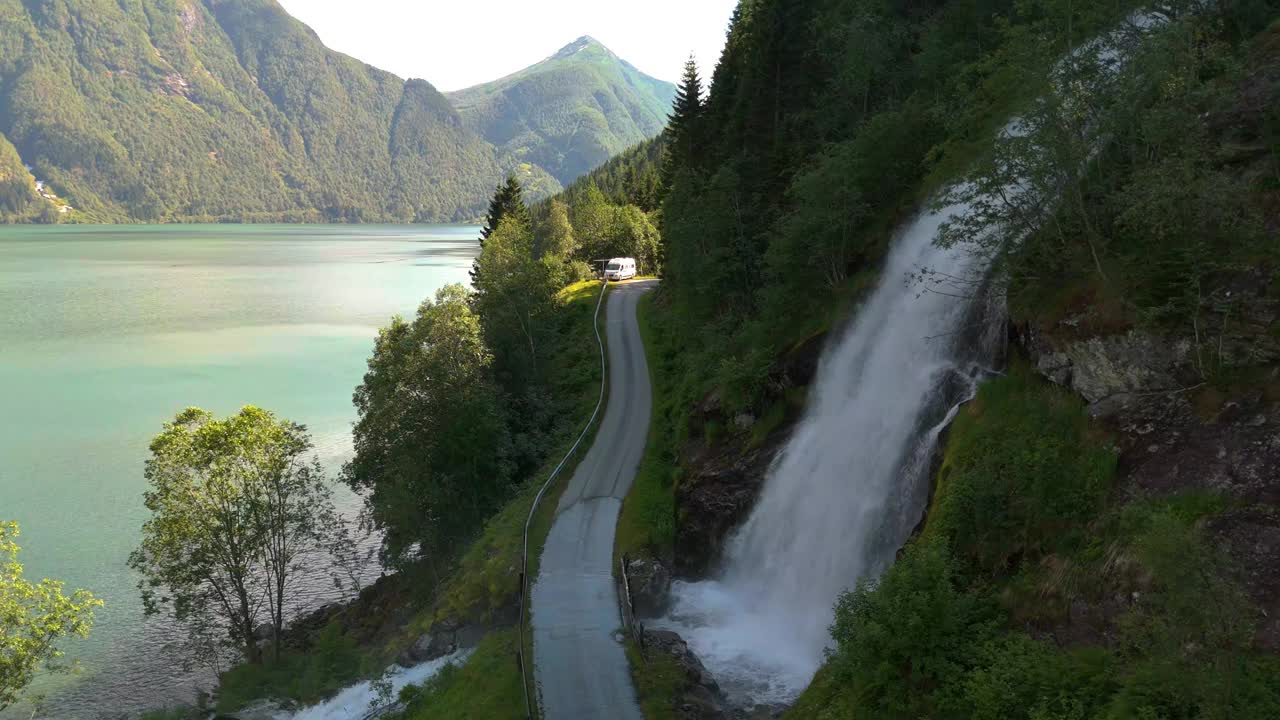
[(659, 679), (532, 377), (647, 523), (1024, 527), (486, 687)]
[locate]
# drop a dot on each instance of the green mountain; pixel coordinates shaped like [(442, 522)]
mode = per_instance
[(569, 113), (187, 110)]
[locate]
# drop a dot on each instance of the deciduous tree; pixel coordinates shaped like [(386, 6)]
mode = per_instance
[(33, 618), (431, 443), (235, 506)]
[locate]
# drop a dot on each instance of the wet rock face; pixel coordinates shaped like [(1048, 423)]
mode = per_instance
[(429, 647), (1108, 372), (1113, 372), (700, 698), (1176, 434), (715, 496), (446, 637), (650, 583), (1235, 452), (723, 480)]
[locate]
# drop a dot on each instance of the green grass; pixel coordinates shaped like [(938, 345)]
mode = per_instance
[(828, 697), (659, 680), (307, 678), (486, 687), (1023, 473), (647, 520)]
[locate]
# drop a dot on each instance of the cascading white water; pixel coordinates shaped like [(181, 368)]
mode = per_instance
[(362, 701), (851, 484), (848, 488)]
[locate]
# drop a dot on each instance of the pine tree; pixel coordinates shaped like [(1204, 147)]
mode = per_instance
[(508, 202), (682, 123)]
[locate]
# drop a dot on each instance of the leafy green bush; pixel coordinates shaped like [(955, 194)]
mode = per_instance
[(901, 640), (1023, 475), (305, 677), (1190, 634), (486, 687), (1019, 677)]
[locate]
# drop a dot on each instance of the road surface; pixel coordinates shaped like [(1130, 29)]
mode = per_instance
[(581, 670)]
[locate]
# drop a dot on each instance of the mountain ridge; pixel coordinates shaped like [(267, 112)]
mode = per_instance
[(587, 87), (217, 110)]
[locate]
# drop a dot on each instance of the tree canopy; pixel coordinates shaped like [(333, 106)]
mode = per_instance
[(34, 618), (234, 505), (432, 445)]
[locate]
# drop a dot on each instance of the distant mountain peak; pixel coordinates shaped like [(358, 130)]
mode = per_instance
[(569, 113), (577, 46)]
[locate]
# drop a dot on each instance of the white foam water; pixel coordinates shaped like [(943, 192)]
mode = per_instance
[(362, 701), (847, 489)]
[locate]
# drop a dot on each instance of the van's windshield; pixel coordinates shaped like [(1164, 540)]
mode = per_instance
[(615, 266)]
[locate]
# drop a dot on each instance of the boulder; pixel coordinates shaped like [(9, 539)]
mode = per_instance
[(650, 583), (428, 647), (1103, 367), (446, 637), (699, 697)]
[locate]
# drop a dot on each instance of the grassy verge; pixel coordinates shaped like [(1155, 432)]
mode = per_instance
[(659, 680), (647, 521), (486, 687), (484, 580)]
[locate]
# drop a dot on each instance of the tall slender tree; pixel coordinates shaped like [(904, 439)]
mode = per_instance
[(507, 202), (682, 123)]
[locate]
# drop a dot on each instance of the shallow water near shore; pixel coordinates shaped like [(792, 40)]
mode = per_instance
[(107, 332)]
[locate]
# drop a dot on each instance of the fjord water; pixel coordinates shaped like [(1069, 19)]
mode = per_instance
[(849, 487), (106, 332)]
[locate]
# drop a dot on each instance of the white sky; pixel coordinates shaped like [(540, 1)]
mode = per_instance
[(459, 43)]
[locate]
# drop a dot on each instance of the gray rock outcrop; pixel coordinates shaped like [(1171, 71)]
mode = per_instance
[(700, 698), (650, 583)]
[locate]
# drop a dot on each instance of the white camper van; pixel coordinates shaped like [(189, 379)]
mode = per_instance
[(620, 269)]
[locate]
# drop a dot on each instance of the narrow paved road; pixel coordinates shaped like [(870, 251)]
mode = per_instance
[(581, 670)]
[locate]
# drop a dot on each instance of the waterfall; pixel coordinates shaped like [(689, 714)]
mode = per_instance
[(363, 701), (850, 485), (847, 490)]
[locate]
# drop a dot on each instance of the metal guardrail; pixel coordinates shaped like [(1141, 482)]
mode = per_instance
[(627, 606), (531, 708)]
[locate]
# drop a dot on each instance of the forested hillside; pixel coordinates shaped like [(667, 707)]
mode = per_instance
[(1106, 550), (203, 110), (569, 113)]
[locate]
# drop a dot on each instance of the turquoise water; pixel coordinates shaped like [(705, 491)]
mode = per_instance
[(106, 332)]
